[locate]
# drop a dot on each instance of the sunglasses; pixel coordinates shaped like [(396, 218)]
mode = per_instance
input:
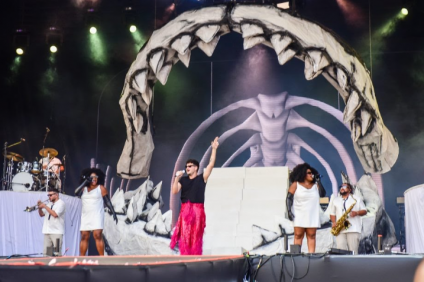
[(188, 166), (94, 176), (49, 195), (309, 172)]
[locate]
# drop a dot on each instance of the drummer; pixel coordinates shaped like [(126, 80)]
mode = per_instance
[(52, 164)]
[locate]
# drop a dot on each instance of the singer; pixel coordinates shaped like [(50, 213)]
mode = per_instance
[(191, 223), (303, 196), (93, 197), (54, 220)]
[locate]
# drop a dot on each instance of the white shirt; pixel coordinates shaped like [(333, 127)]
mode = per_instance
[(53, 164), (54, 225), (340, 206)]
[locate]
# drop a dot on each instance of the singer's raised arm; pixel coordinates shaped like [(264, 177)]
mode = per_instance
[(176, 186), (207, 171)]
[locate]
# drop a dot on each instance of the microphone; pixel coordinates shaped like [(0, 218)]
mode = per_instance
[(22, 139), (183, 171), (48, 130)]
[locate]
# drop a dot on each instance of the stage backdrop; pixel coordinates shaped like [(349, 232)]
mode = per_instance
[(20, 231)]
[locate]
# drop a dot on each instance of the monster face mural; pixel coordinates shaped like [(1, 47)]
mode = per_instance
[(290, 37)]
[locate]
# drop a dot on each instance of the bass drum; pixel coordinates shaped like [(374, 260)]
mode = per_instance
[(24, 182)]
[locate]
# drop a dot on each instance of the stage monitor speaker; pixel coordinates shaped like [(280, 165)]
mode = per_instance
[(334, 251), (295, 249)]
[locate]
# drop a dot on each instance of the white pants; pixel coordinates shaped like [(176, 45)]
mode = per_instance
[(50, 241), (348, 241)]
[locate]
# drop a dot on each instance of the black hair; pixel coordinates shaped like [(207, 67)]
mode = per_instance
[(193, 161), (88, 171), (51, 189), (298, 173)]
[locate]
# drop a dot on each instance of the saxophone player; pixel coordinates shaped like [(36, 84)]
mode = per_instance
[(348, 239)]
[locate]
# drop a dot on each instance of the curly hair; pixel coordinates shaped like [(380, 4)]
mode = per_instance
[(88, 171), (298, 173)]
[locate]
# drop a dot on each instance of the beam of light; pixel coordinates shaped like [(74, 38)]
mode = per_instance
[(139, 40), (49, 77), (20, 51), (93, 30), (14, 69), (133, 28), (353, 14), (97, 49), (390, 26), (53, 49)]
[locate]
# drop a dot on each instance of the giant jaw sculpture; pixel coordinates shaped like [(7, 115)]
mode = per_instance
[(290, 37)]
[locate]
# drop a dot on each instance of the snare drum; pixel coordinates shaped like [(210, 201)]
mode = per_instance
[(23, 182), (36, 167), (24, 166)]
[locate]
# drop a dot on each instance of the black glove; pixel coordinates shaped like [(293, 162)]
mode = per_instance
[(80, 189), (108, 204), (289, 205), (321, 189)]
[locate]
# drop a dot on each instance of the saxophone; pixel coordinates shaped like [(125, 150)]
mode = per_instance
[(342, 222)]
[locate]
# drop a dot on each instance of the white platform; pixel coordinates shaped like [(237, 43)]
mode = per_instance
[(238, 198)]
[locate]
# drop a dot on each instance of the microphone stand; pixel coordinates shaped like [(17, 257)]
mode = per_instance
[(42, 162), (64, 174)]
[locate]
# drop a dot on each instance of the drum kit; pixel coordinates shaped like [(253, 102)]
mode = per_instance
[(33, 176)]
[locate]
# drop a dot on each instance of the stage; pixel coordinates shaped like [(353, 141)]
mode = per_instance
[(280, 267)]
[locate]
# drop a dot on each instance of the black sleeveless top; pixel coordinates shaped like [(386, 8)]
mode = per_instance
[(193, 190)]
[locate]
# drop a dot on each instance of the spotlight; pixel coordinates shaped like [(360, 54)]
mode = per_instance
[(133, 28), (404, 11), (53, 49), (93, 30), (129, 18), (283, 5), (20, 41), (54, 38), (92, 20)]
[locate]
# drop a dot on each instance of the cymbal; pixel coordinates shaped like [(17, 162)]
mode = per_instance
[(45, 152), (14, 156)]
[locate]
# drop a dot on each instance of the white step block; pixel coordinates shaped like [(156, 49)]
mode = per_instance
[(271, 206), (245, 242), (228, 172), (224, 184), (267, 171), (264, 194), (258, 182), (227, 205)]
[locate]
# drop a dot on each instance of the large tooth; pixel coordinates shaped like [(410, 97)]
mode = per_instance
[(147, 95), (366, 119), (249, 42), (355, 131), (182, 44), (207, 33), (167, 219), (141, 80), (163, 74), (208, 48), (185, 59), (155, 194), (315, 62), (352, 106), (138, 123), (152, 211), (141, 201), (131, 212), (156, 61), (132, 107), (341, 78), (160, 228), (280, 42), (286, 56), (150, 226), (250, 30), (225, 29)]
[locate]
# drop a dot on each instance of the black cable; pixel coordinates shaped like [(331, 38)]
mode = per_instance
[(260, 264), (292, 276)]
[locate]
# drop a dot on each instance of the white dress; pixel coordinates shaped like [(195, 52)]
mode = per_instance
[(93, 213), (306, 207)]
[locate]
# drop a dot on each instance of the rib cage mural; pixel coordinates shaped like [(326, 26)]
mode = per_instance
[(290, 37)]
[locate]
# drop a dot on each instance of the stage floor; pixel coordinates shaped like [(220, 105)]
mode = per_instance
[(280, 267)]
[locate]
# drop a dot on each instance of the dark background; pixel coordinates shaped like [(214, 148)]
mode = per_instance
[(76, 97)]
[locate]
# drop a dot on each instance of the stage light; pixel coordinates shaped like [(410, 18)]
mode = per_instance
[(54, 38), (283, 5), (93, 30), (404, 11), (53, 49), (20, 41), (20, 51), (133, 28)]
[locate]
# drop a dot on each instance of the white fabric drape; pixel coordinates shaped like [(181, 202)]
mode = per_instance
[(20, 232), (414, 219)]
